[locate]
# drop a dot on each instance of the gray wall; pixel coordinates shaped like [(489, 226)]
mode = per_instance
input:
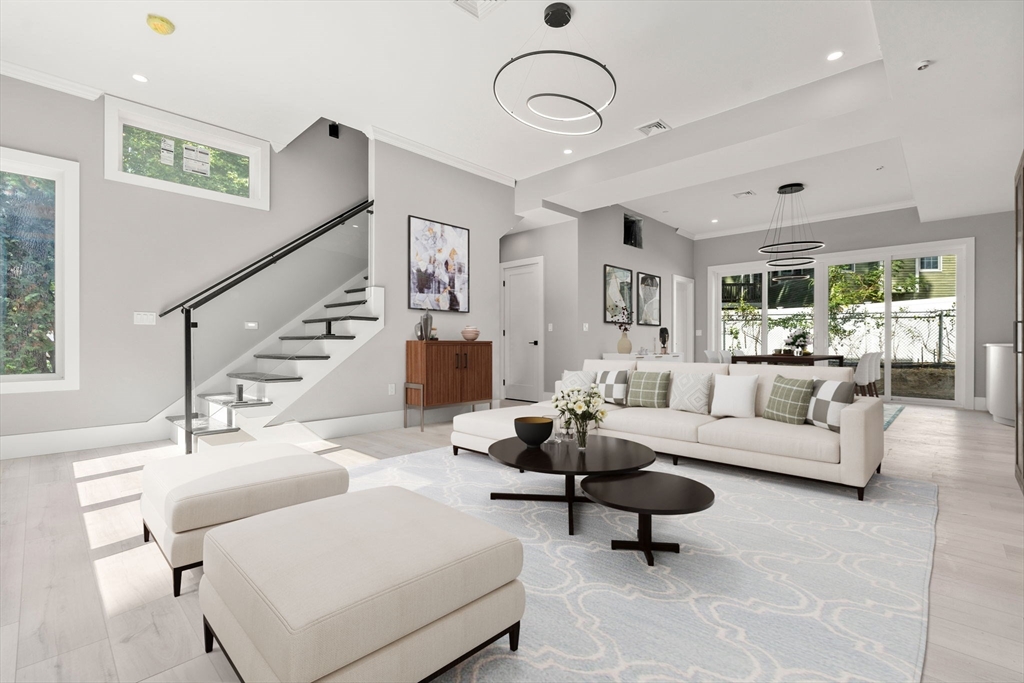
[(557, 244), (665, 254), (142, 249), (404, 183), (994, 263)]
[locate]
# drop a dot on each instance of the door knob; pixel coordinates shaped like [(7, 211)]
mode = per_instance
[(535, 343)]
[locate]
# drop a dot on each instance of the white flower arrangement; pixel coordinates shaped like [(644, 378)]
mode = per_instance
[(799, 338), (580, 407)]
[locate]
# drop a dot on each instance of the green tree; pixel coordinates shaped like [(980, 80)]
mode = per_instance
[(229, 172), (27, 274)]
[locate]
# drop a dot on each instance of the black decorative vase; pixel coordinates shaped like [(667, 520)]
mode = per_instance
[(533, 431)]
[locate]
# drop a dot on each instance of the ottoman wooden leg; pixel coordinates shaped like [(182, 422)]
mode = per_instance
[(145, 533), (177, 575), (207, 636), (455, 450), (513, 637)]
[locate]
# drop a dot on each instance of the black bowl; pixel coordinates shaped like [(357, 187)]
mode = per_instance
[(533, 431)]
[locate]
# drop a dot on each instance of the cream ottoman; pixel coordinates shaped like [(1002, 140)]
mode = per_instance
[(378, 585), (184, 497)]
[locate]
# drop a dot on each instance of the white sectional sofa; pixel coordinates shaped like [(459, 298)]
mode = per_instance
[(850, 457)]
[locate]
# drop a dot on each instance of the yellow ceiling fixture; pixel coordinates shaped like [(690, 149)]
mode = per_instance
[(161, 25)]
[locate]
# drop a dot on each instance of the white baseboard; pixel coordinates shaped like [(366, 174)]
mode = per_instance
[(43, 443), (980, 403)]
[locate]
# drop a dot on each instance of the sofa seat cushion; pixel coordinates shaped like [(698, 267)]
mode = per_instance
[(661, 422), (759, 435), (500, 423), (319, 585), (226, 483)]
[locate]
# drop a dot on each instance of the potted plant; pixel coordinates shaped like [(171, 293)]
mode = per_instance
[(798, 339), (577, 408)]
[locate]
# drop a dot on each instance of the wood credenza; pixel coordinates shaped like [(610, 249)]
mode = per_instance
[(445, 373)]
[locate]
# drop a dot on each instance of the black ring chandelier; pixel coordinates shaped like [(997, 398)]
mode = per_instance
[(789, 245), (557, 91)]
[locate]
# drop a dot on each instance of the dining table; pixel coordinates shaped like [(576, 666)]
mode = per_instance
[(787, 359)]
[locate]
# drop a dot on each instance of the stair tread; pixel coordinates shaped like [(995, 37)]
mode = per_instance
[(202, 425), (345, 303), (338, 318), (354, 291), (265, 377), (228, 401), (314, 337), (291, 356)]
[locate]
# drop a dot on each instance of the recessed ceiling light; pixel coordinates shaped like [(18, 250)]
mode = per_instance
[(835, 55), (566, 151), (714, 220), (140, 78)]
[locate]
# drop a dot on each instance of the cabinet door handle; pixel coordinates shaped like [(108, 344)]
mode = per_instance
[(465, 361), (456, 361)]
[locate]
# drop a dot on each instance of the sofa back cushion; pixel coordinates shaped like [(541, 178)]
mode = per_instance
[(684, 369), (766, 377), (599, 366)]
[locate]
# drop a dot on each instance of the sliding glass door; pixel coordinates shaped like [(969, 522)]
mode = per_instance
[(856, 311), (740, 309)]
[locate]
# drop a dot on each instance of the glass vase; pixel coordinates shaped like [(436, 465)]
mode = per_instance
[(581, 435)]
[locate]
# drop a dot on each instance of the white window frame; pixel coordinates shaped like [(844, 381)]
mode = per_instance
[(962, 248), (118, 113), (65, 174)]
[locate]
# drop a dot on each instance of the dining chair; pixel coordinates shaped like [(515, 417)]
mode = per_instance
[(713, 356)]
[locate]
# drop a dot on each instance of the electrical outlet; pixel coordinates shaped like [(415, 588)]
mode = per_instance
[(391, 390), (699, 333), (252, 325), (551, 327), (586, 327), (145, 318)]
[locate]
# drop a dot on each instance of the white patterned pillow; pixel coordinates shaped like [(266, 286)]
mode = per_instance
[(613, 385), (828, 400), (579, 379), (690, 392)]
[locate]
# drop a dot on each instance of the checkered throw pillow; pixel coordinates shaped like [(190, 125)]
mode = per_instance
[(690, 392), (648, 390), (580, 379), (613, 385), (827, 400), (789, 400)]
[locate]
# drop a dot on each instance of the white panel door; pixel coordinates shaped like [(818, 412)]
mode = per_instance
[(523, 314)]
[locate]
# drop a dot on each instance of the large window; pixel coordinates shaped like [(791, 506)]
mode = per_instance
[(38, 273), (915, 310), (155, 149)]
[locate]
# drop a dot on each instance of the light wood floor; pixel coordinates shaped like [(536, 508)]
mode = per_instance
[(83, 599)]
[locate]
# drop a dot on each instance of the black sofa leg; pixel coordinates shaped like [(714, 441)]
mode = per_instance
[(207, 636), (177, 582), (860, 493), (675, 459), (878, 470), (145, 533), (513, 637), (455, 450)]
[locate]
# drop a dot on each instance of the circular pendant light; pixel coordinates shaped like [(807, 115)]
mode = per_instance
[(789, 237), (559, 91)]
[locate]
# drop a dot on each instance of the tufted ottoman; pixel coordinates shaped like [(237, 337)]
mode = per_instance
[(378, 585), (186, 496)]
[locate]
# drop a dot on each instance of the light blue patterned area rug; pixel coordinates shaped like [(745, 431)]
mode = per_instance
[(890, 411), (782, 579)]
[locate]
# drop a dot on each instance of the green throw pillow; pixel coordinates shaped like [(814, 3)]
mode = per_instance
[(789, 400), (650, 390)]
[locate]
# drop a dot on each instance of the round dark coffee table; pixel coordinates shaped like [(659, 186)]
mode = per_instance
[(604, 455), (648, 493)]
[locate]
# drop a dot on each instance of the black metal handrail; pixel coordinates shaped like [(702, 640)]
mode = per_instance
[(242, 274)]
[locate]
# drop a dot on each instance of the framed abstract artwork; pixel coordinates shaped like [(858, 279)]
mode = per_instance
[(438, 266), (648, 299), (618, 294)]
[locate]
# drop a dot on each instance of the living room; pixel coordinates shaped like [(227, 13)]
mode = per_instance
[(441, 340)]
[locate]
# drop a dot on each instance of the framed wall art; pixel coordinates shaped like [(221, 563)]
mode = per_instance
[(648, 299), (438, 266), (618, 294)]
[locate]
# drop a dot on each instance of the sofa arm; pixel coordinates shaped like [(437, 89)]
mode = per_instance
[(558, 385), (861, 440)]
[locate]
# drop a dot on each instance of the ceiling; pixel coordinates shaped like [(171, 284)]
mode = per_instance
[(745, 86)]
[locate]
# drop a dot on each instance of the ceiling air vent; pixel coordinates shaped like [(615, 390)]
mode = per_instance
[(654, 127), (744, 194), (478, 8)]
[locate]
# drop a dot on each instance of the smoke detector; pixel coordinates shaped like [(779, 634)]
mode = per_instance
[(478, 8), (744, 194), (653, 128)]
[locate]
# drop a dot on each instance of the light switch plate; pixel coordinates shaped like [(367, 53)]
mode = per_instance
[(145, 318), (699, 333), (551, 327), (252, 325), (586, 327), (391, 390)]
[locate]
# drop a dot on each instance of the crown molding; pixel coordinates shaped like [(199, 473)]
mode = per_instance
[(437, 155), (881, 208), (23, 73)]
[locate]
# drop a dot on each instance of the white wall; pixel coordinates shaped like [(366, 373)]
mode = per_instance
[(404, 183), (144, 249)]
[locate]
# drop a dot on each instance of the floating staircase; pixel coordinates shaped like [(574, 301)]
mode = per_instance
[(286, 365)]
